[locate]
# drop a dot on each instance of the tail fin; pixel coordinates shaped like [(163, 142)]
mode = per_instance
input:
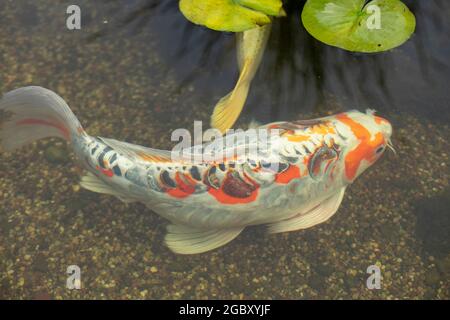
[(228, 109), (32, 113)]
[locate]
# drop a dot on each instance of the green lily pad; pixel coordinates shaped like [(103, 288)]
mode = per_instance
[(359, 25), (231, 15)]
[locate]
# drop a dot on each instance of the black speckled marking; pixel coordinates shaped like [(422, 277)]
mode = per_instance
[(113, 158), (167, 180), (117, 171), (195, 173), (93, 150), (102, 156), (211, 178)]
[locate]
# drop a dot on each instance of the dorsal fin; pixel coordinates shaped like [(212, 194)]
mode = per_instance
[(138, 152)]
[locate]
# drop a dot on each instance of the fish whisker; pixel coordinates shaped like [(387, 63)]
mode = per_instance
[(390, 145)]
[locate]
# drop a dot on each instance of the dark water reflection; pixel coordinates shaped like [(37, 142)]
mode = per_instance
[(298, 71)]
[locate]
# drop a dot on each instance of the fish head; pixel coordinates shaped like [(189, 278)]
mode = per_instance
[(366, 138)]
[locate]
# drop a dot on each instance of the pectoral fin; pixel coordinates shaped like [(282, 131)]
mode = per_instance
[(187, 240), (318, 214), (228, 109)]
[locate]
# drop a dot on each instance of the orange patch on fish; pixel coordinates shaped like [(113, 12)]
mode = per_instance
[(235, 190), (296, 137), (224, 198), (322, 129), (107, 172), (380, 120), (153, 158), (183, 189), (293, 172), (364, 150)]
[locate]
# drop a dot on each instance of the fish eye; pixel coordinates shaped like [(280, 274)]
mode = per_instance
[(380, 150)]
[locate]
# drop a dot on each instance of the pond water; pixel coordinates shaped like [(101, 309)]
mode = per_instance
[(136, 71)]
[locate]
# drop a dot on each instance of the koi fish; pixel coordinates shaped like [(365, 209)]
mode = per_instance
[(297, 180), (251, 45)]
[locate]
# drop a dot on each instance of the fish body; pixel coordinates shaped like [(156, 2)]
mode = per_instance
[(251, 45), (295, 180)]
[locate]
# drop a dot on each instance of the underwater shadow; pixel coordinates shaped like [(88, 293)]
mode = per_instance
[(433, 224)]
